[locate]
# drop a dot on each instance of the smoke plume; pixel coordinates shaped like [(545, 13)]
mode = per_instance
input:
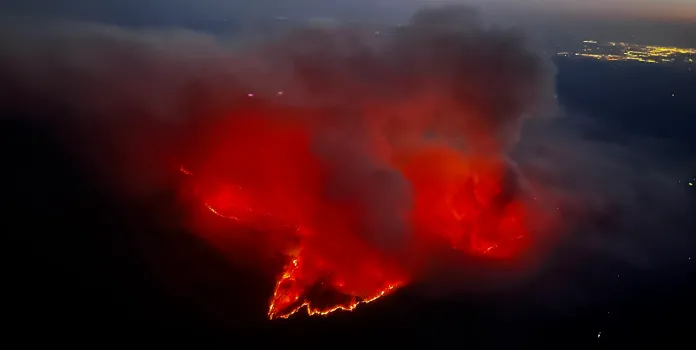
[(365, 137)]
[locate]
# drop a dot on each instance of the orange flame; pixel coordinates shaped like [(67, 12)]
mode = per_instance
[(282, 302)]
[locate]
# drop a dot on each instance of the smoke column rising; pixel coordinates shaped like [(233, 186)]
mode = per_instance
[(369, 147)]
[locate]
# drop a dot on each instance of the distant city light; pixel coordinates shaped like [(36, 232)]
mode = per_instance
[(634, 52)]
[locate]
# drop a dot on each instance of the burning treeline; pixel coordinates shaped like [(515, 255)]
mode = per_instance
[(356, 155)]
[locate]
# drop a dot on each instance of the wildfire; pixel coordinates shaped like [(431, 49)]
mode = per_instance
[(467, 217), (355, 222), (290, 294)]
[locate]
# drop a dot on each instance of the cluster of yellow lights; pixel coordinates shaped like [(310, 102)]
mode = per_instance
[(635, 52)]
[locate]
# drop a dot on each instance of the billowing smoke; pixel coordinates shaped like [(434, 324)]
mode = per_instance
[(369, 147), (619, 194)]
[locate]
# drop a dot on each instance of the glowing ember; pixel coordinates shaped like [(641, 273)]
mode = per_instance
[(216, 212), (185, 171)]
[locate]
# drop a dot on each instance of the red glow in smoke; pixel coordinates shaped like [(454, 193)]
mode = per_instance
[(260, 170)]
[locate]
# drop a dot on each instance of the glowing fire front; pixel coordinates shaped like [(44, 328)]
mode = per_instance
[(288, 296)]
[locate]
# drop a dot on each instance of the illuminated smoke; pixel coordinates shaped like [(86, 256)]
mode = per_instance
[(368, 147)]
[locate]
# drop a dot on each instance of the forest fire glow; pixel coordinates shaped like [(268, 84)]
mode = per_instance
[(383, 152), (337, 268)]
